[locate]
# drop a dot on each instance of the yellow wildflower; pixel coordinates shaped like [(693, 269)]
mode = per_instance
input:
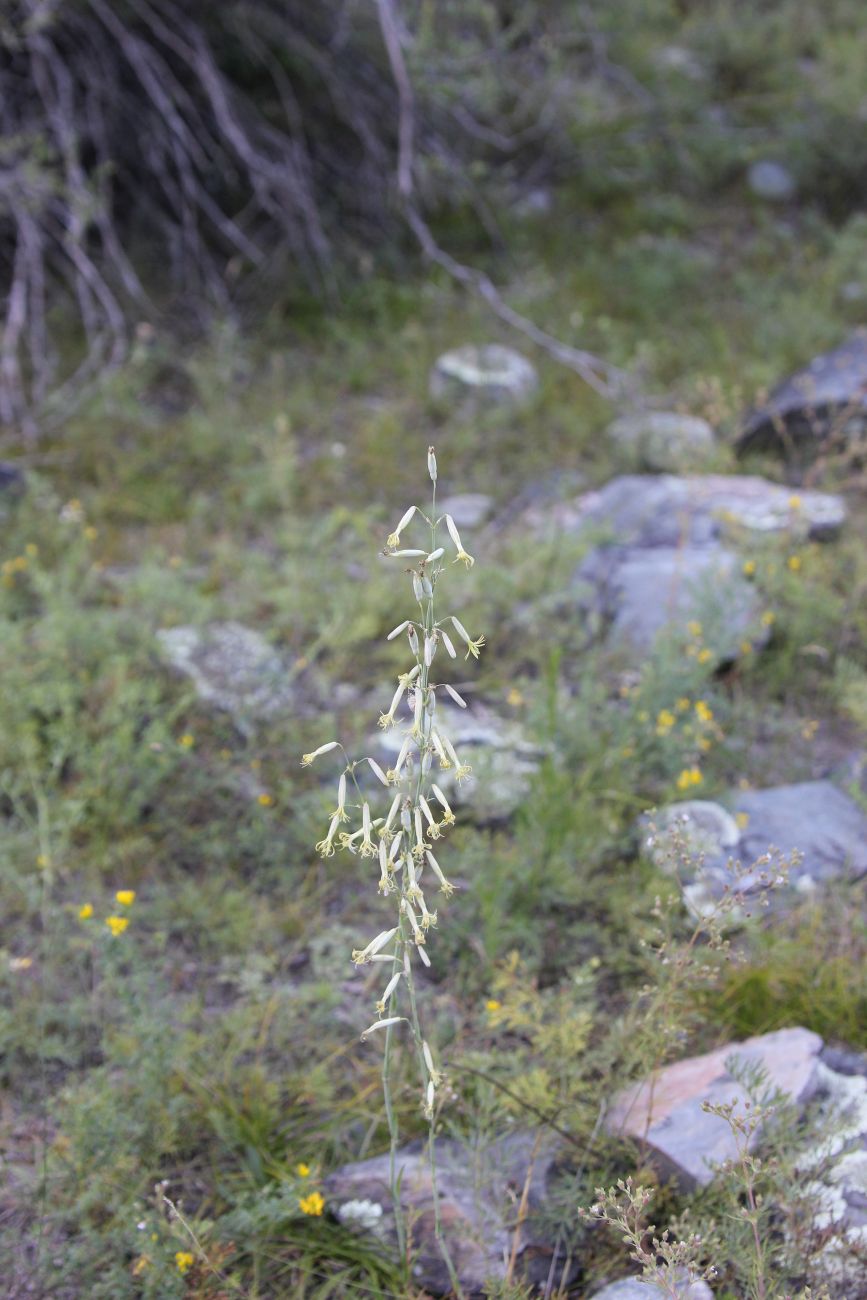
[(187, 740), (312, 1204), (117, 924), (302, 1170), (126, 897), (20, 963), (749, 568), (492, 1005), (140, 1265), (746, 647), (42, 860), (514, 698), (795, 503), (794, 563), (689, 776), (743, 820), (664, 722), (85, 912), (704, 655), (809, 729), (91, 533), (703, 713), (768, 618), (184, 1260), (265, 800), (694, 628)]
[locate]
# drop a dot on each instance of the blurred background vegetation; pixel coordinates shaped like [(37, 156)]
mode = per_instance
[(213, 376)]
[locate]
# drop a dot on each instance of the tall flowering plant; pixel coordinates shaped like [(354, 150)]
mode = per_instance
[(401, 838)]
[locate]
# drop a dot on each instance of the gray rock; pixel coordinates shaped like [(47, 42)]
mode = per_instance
[(468, 509), (478, 1188), (502, 759), (638, 594), (771, 181), (233, 669), (666, 1113), (665, 440), (813, 820), (669, 510), (632, 1288), (704, 829), (481, 376), (827, 396)]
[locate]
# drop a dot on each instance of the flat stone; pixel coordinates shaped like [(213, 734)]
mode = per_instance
[(638, 594), (830, 394), (468, 509), (669, 510), (479, 1189), (665, 1110), (664, 440), (481, 376), (502, 759), (233, 668), (632, 1288), (771, 181)]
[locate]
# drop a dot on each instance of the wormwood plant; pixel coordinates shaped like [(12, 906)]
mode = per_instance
[(418, 814)]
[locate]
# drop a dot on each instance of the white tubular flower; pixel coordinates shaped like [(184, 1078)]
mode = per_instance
[(446, 887), (447, 642), (387, 992), (433, 829), (417, 588), (459, 546), (424, 957), (432, 464), (367, 848), (384, 956), (412, 637), (340, 811), (413, 892), (448, 815), (462, 770), (347, 841), (417, 932), (419, 847), (400, 555), (326, 846), (395, 846), (394, 538), (435, 555), (307, 759), (396, 631), (362, 955), (387, 719), (401, 759), (430, 1098), (418, 706), (458, 699), (385, 881), (377, 771), (428, 919), (435, 1074), (395, 804), (430, 649), (407, 679), (473, 647), (437, 743), (381, 1024)]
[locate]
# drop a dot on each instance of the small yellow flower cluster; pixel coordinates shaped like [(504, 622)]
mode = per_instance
[(696, 649), (313, 1204), (10, 568), (809, 729), (689, 777), (184, 1261), (116, 923)]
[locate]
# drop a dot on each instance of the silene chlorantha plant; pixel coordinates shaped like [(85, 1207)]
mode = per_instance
[(401, 838)]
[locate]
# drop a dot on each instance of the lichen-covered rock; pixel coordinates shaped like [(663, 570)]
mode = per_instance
[(479, 376), (233, 668), (666, 1110), (664, 440), (648, 510), (829, 395), (479, 1189)]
